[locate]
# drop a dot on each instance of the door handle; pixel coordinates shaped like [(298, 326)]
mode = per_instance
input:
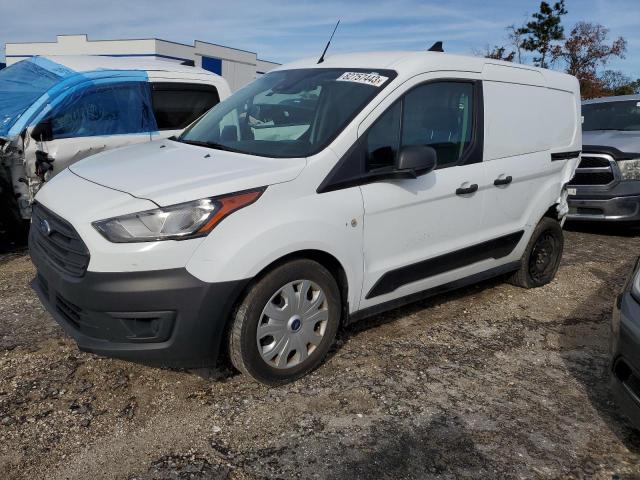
[(503, 181), (466, 190)]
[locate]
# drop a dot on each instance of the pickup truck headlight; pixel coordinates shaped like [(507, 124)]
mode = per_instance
[(630, 169), (177, 222)]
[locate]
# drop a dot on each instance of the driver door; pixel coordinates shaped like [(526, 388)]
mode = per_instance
[(423, 232)]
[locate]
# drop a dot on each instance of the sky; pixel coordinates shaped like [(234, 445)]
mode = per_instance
[(286, 30)]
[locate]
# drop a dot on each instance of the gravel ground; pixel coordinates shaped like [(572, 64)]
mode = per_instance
[(491, 381)]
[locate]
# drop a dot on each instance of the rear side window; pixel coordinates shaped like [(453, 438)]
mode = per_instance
[(439, 115), (113, 109), (177, 105)]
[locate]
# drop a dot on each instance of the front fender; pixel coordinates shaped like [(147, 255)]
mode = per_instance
[(253, 238)]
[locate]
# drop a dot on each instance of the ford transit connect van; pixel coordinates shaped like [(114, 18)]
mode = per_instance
[(55, 111), (317, 195)]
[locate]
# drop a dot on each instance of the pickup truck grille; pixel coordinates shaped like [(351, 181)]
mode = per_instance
[(594, 171), (57, 241)]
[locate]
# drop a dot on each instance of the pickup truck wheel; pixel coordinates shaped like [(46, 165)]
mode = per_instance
[(542, 256), (286, 324)]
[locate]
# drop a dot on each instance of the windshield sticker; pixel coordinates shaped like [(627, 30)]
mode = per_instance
[(374, 79)]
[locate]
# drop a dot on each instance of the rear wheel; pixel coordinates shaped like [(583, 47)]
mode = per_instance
[(286, 323), (542, 256)]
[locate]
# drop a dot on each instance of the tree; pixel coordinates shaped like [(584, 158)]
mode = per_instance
[(585, 51), (540, 33), (499, 53), (515, 39), (616, 83)]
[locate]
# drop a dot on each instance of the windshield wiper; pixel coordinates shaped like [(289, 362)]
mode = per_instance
[(214, 145)]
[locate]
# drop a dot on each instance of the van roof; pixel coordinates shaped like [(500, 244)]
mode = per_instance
[(88, 63), (415, 62)]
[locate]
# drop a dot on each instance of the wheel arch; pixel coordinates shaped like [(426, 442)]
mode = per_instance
[(327, 260), (552, 212)]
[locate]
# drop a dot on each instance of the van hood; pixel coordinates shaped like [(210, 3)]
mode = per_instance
[(168, 172), (625, 141)]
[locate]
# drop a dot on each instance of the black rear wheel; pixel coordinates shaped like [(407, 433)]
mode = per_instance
[(542, 256)]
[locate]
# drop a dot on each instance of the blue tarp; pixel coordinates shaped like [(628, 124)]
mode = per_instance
[(101, 102), (22, 84)]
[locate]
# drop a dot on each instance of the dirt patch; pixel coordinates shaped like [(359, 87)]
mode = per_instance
[(491, 381)]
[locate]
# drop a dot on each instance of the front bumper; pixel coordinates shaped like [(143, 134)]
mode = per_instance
[(625, 354), (616, 209), (164, 317)]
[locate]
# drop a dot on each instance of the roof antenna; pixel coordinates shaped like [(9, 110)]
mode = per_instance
[(437, 47), (328, 43)]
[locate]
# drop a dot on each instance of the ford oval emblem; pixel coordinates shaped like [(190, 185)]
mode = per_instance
[(44, 227)]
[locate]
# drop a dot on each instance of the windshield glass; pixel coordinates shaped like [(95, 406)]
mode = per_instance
[(288, 113), (623, 115), (20, 85)]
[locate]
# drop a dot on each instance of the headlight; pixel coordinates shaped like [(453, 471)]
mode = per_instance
[(630, 169), (177, 222)]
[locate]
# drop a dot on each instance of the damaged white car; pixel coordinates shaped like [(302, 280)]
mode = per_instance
[(55, 111)]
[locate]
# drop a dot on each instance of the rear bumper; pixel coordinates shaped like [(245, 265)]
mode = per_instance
[(625, 355), (164, 317), (616, 209)]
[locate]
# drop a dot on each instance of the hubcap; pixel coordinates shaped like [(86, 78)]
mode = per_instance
[(292, 324)]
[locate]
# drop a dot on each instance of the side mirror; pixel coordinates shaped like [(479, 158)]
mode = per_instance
[(43, 131), (417, 159)]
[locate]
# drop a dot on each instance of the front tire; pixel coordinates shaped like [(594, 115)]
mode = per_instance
[(542, 256), (286, 323)]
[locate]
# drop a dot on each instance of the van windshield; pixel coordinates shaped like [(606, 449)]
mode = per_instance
[(622, 115), (21, 84), (288, 113)]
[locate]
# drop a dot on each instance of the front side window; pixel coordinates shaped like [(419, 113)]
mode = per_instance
[(175, 106), (623, 116), (112, 109), (438, 115), (288, 113), (383, 139)]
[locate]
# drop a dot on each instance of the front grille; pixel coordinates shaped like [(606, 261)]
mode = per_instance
[(60, 244), (596, 178), (593, 162), (594, 171)]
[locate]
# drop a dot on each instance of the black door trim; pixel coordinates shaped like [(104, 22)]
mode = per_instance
[(496, 248), (447, 287)]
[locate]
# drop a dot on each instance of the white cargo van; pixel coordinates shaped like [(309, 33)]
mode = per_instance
[(55, 111), (315, 196)]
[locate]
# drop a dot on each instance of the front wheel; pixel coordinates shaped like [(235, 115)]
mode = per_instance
[(542, 256), (286, 323)]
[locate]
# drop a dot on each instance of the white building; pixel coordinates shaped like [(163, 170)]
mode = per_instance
[(238, 67)]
